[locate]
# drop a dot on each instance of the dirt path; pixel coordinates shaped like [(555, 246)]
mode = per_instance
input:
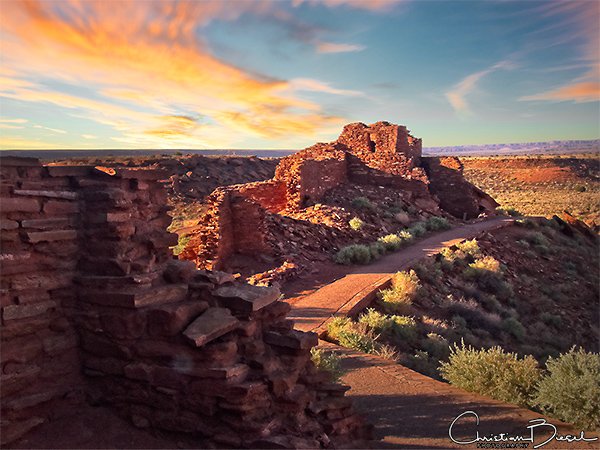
[(346, 295), (412, 411)]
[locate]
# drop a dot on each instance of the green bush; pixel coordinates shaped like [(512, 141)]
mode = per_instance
[(358, 341), (509, 211), (402, 327), (406, 236), (436, 345), (537, 238), (513, 327), (571, 390), (356, 223), (437, 224), (328, 361), (392, 242), (377, 250), (404, 289), (362, 203), (492, 372), (353, 254), (418, 229), (336, 325), (551, 319), (182, 241)]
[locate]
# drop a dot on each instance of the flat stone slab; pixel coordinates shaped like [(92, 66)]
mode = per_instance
[(137, 298), (246, 298), (214, 323)]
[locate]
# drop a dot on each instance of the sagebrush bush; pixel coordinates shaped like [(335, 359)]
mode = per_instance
[(356, 223), (551, 319), (362, 203), (418, 229), (438, 224), (392, 242), (358, 341), (513, 327), (536, 238), (436, 346), (492, 372), (406, 236), (336, 325), (353, 254), (487, 263), (571, 390), (469, 247), (329, 362), (404, 289), (377, 250), (402, 327)]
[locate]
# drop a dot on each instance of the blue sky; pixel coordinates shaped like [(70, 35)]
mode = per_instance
[(285, 74)]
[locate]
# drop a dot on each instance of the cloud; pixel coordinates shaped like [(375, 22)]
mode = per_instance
[(144, 61), (54, 130), (578, 21), (457, 96), (11, 127), (308, 84), (332, 47), (89, 136), (13, 120), (367, 5)]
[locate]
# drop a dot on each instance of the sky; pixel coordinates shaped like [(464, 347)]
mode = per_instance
[(260, 74)]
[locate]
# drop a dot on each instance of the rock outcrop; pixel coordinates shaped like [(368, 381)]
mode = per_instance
[(94, 306)]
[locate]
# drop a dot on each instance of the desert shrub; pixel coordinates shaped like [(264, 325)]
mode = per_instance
[(509, 211), (469, 247), (387, 352), (437, 224), (418, 229), (182, 241), (471, 312), (436, 345), (571, 390), (428, 272), (378, 322), (353, 254), (551, 319), (487, 263), (356, 223), (404, 289), (328, 361), (356, 340), (377, 250), (406, 236), (492, 372), (536, 238), (362, 203), (336, 325), (403, 327), (392, 242), (423, 363), (458, 322), (513, 327)]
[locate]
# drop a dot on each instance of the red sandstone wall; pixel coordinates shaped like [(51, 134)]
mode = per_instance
[(163, 344), (456, 195), (39, 221)]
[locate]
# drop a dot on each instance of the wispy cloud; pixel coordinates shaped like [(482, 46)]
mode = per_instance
[(89, 136), (308, 84), (457, 96), (332, 47), (576, 21), (368, 5), (53, 130), (145, 61), (13, 120)]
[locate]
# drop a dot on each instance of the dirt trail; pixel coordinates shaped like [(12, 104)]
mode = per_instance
[(407, 409), (412, 411), (342, 296)]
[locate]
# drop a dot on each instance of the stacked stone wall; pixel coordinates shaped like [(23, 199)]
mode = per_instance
[(95, 302)]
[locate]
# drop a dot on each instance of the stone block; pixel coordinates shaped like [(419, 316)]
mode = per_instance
[(6, 224), (50, 236), (41, 280), (47, 224), (19, 205), (23, 327), (28, 310), (137, 298), (20, 350), (170, 320), (57, 344), (64, 195), (235, 373), (179, 271), (292, 339), (28, 401), (245, 298), (68, 171), (213, 323), (16, 381), (56, 207)]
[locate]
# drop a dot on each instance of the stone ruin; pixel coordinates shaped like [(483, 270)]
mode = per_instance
[(95, 308), (381, 154)]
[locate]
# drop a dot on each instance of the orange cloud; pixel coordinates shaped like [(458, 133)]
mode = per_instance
[(332, 47), (587, 91), (145, 62), (369, 5)]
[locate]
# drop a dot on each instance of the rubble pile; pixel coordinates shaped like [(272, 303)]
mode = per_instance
[(92, 302)]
